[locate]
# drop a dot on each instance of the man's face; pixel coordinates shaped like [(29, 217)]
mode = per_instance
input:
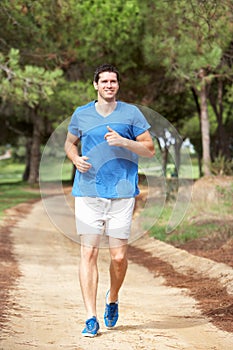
[(107, 86)]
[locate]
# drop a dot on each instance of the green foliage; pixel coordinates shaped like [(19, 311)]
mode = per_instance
[(58, 33), (29, 85), (186, 36), (230, 94), (66, 98), (109, 31), (40, 29), (226, 195), (159, 47), (222, 166)]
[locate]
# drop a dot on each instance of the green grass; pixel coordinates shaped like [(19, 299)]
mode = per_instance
[(225, 195), (189, 232), (187, 229), (13, 193), (13, 190), (158, 230), (55, 170), (185, 172), (10, 172), (52, 170), (204, 218), (184, 233)]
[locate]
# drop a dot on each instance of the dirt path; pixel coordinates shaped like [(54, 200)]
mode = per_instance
[(48, 312)]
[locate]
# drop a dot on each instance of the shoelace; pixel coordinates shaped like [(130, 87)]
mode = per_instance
[(90, 325), (111, 310)]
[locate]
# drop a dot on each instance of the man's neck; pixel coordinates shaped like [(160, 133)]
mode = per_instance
[(105, 108)]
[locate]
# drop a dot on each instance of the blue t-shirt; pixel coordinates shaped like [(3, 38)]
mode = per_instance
[(114, 171)]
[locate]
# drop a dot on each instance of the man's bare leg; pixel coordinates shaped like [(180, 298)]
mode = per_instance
[(88, 272), (118, 266)]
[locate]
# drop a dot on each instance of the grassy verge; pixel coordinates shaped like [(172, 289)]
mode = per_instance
[(15, 193), (203, 219), (10, 172), (185, 232), (13, 190)]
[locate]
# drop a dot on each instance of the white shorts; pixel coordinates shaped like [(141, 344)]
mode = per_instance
[(96, 215)]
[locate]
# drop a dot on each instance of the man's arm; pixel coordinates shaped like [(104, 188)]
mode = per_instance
[(143, 146), (72, 153)]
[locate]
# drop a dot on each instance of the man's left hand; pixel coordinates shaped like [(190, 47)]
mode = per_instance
[(114, 139)]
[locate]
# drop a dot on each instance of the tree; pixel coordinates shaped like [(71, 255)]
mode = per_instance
[(28, 86), (64, 33), (66, 42), (189, 38), (220, 103), (163, 48)]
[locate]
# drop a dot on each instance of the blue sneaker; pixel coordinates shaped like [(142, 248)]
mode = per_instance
[(92, 327), (111, 313)]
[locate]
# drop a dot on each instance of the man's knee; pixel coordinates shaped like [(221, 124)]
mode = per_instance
[(119, 258), (89, 254)]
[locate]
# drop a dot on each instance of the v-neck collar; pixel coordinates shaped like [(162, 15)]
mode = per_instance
[(108, 115)]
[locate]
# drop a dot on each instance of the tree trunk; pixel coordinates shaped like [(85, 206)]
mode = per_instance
[(35, 149), (205, 127), (177, 147), (165, 159), (27, 159), (195, 96), (199, 164), (221, 147)]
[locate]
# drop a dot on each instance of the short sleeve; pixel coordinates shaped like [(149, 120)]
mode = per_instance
[(73, 126), (140, 124)]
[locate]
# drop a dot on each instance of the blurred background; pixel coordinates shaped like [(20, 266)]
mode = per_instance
[(175, 60), (176, 64), (174, 57)]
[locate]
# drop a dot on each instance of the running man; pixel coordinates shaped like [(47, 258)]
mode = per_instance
[(112, 134)]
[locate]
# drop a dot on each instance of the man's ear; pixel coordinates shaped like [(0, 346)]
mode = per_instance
[(95, 85)]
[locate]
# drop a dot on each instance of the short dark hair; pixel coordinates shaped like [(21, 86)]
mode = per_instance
[(105, 68)]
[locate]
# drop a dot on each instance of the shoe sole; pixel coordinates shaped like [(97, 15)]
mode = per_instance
[(89, 335)]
